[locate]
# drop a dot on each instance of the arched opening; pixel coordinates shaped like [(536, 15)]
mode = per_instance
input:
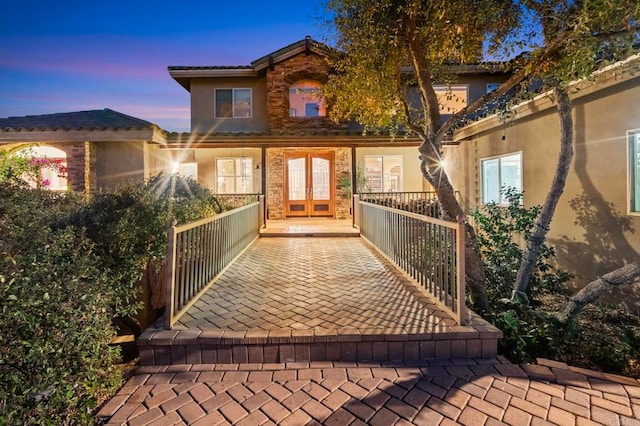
[(306, 100), (51, 165)]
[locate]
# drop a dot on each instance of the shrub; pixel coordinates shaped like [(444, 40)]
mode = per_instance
[(67, 267), (528, 331)]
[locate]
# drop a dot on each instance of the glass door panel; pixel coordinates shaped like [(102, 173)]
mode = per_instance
[(321, 179), (309, 184)]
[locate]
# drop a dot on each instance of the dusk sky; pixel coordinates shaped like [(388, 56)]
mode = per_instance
[(64, 56)]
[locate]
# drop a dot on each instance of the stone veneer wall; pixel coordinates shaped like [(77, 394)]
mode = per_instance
[(81, 165), (275, 181), (286, 73)]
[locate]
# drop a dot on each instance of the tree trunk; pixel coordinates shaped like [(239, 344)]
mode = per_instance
[(433, 172), (629, 274), (474, 268), (541, 227)]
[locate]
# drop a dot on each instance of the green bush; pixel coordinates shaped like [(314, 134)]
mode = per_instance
[(67, 267), (528, 331)]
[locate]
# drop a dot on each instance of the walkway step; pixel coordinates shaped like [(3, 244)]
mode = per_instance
[(163, 347)]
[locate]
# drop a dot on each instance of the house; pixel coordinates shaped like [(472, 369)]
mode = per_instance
[(100, 148), (596, 226), (263, 127)]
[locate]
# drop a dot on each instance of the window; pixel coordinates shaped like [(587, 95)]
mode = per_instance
[(500, 172), (235, 175), (452, 98), (232, 103), (383, 173), (634, 172), (305, 99)]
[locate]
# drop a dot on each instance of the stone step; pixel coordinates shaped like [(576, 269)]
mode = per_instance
[(164, 347)]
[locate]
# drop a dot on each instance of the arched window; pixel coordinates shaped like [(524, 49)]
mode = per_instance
[(52, 165), (306, 100)]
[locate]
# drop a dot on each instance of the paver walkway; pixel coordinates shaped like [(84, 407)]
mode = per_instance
[(322, 283), (468, 392)]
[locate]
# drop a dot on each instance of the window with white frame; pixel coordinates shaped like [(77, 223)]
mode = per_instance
[(234, 175), (634, 171), (232, 103), (51, 164), (383, 173), (498, 173), (451, 97)]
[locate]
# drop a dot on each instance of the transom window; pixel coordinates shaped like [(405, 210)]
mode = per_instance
[(232, 103), (234, 175), (498, 173), (383, 173), (634, 171), (306, 100), (452, 98)]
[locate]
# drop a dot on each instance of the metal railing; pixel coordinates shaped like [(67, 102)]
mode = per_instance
[(420, 202), (200, 251), (428, 249), (237, 200)]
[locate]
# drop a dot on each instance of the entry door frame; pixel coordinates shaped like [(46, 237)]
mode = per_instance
[(309, 207)]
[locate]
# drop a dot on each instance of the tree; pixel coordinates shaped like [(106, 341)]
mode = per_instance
[(394, 51)]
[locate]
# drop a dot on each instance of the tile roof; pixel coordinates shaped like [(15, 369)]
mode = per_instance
[(104, 119)]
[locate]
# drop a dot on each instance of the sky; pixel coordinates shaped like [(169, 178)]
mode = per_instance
[(69, 55)]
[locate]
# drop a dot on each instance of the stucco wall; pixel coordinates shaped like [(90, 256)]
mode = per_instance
[(592, 230), (118, 162), (202, 105)]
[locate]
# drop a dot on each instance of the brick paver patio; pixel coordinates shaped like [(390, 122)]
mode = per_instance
[(442, 392), (315, 299)]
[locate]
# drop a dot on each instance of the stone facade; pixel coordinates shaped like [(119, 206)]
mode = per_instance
[(81, 165), (285, 73), (276, 184)]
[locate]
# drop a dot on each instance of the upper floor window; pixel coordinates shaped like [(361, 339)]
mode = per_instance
[(383, 173), (232, 103), (498, 173), (634, 171), (451, 97), (305, 99), (235, 175)]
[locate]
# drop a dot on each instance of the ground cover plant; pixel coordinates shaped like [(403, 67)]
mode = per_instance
[(68, 266), (601, 336)]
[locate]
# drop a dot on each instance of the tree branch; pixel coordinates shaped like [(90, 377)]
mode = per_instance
[(627, 275)]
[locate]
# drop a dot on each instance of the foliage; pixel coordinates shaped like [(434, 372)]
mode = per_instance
[(67, 267), (501, 230), (55, 321), (20, 167), (344, 182)]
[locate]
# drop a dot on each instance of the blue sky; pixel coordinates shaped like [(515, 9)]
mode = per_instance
[(63, 56)]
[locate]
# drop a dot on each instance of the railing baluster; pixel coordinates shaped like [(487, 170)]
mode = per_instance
[(199, 252), (429, 249)]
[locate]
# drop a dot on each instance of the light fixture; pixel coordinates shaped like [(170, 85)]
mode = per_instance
[(175, 167)]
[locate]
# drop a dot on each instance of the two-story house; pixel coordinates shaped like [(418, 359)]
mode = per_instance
[(264, 128)]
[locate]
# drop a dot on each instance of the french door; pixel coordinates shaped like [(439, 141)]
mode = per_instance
[(309, 184)]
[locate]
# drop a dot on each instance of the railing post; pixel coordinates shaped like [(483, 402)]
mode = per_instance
[(461, 271), (263, 214), (356, 211), (171, 276)]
